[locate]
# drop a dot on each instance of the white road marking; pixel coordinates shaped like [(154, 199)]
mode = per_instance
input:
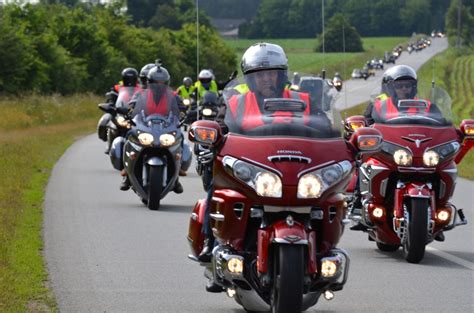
[(451, 258)]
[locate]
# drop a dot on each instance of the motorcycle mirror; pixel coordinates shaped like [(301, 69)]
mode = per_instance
[(122, 110), (106, 107), (366, 139), (207, 133)]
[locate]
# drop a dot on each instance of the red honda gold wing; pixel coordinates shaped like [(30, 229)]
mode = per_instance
[(406, 187), (279, 206)]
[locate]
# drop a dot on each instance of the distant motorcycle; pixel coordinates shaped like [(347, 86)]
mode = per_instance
[(337, 83)]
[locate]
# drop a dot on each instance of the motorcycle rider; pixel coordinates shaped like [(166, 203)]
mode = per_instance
[(265, 67), (156, 99), (144, 73), (204, 84), (186, 89), (398, 83)]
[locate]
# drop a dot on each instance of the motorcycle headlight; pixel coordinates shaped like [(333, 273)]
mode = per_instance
[(268, 185), (309, 186), (145, 139), (430, 158), (402, 157), (207, 112), (167, 140), (313, 184), (121, 121), (447, 150), (264, 182), (186, 102)]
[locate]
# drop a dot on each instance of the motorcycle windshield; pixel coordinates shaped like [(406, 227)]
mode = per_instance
[(156, 100), (125, 95), (265, 103), (406, 103)]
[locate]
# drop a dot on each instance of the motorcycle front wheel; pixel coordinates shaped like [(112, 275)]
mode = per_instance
[(417, 234), (288, 268), (155, 187)]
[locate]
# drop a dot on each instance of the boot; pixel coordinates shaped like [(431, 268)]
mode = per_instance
[(182, 172), (178, 188), (125, 184), (439, 236), (211, 286), (206, 254)]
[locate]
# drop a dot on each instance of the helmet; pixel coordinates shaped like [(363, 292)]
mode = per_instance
[(187, 81), (397, 73), (265, 56), (144, 72), (129, 76), (205, 76), (210, 98), (158, 74)]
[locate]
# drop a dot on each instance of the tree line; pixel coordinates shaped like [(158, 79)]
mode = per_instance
[(55, 48), (303, 18)]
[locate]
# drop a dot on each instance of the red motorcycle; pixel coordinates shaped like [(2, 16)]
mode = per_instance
[(278, 207), (405, 188)]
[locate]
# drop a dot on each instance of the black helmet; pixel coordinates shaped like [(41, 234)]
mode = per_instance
[(399, 73), (187, 81), (158, 74), (210, 98), (265, 56), (129, 77), (144, 73)]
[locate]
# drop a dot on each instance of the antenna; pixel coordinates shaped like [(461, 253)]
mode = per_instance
[(344, 60), (324, 48), (197, 38)]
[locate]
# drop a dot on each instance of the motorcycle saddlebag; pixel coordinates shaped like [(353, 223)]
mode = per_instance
[(102, 126), (195, 234)]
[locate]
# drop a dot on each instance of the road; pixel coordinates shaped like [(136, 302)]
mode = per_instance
[(106, 252), (355, 91)]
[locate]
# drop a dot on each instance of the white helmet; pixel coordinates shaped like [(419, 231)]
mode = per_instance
[(205, 76)]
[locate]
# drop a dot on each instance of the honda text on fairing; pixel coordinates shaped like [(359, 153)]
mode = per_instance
[(406, 187), (278, 206), (153, 153)]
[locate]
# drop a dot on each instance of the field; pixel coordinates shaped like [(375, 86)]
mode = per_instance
[(302, 58), (36, 131)]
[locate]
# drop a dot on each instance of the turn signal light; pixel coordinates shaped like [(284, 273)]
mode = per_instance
[(368, 142), (356, 125), (206, 135), (469, 130)]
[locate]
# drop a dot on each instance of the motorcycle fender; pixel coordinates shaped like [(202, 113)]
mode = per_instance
[(413, 190), (115, 153), (282, 233), (195, 234), (155, 161), (102, 126)]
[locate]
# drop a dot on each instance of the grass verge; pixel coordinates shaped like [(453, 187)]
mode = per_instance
[(29, 150)]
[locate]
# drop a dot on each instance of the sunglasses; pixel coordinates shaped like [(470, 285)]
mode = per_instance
[(402, 85)]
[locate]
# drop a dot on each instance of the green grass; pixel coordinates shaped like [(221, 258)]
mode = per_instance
[(35, 133), (302, 58)]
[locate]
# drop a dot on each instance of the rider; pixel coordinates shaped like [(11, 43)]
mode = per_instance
[(143, 74), (186, 89), (204, 84), (398, 83), (156, 99)]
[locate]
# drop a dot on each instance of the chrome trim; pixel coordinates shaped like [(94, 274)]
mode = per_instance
[(312, 169), (271, 169), (383, 187), (411, 169), (418, 142), (251, 300), (256, 213), (289, 158), (379, 168), (194, 216), (217, 217), (296, 209), (284, 241), (451, 170), (317, 214)]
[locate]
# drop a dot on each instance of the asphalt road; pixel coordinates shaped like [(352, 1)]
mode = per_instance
[(355, 91), (106, 252)]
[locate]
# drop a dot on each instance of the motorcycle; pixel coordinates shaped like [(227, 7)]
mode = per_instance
[(152, 154), (406, 187), (278, 210), (337, 83), (112, 124)]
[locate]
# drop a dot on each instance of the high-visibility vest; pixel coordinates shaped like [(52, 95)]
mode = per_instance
[(202, 90), (386, 109), (245, 105), (184, 92), (161, 108), (241, 88)]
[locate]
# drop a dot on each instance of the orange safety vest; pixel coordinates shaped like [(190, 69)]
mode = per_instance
[(161, 108), (126, 93), (386, 109), (246, 105)]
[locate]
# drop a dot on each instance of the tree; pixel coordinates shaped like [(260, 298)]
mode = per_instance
[(467, 22), (333, 36), (415, 16)]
